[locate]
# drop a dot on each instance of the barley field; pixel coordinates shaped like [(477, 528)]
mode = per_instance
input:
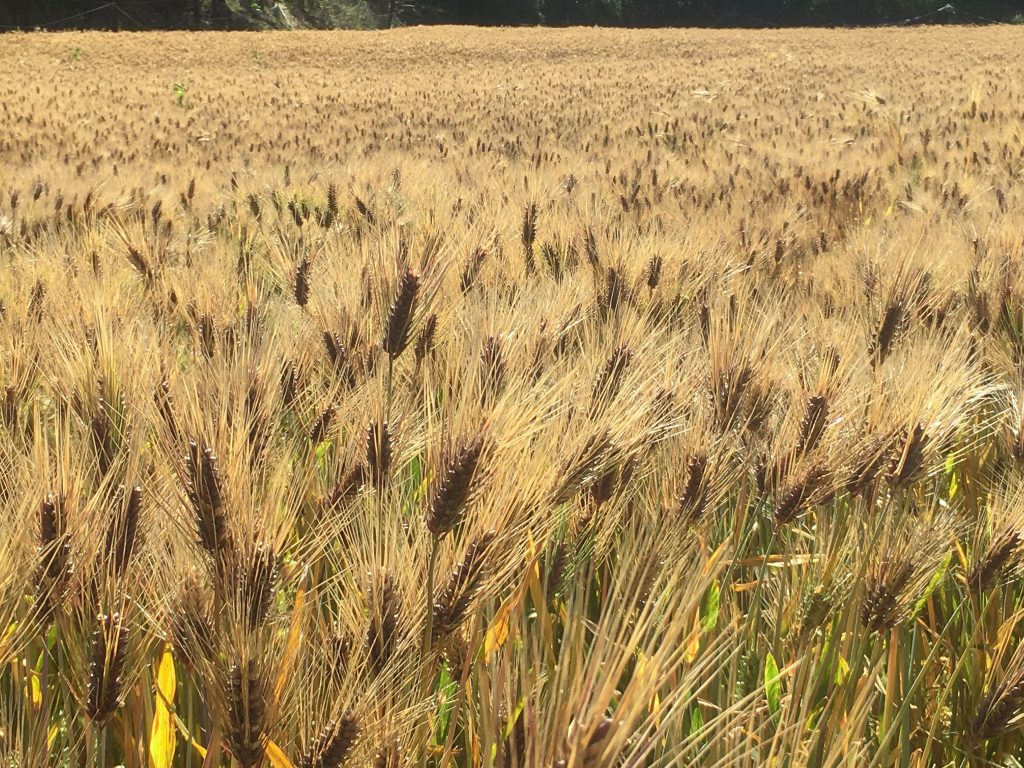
[(517, 398)]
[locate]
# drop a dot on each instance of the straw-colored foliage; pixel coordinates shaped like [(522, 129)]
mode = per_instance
[(512, 398)]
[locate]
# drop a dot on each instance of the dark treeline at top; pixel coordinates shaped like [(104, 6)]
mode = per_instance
[(261, 14)]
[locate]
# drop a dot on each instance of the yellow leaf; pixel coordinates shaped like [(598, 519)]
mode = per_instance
[(745, 586), (531, 549), (1005, 633), (536, 590), (693, 644), (163, 738), (640, 667), (277, 758), (294, 635), (36, 691), (30, 681), (715, 557), (643, 672), (497, 633), (540, 600), (7, 636), (51, 735), (776, 560), (183, 730), (964, 560)]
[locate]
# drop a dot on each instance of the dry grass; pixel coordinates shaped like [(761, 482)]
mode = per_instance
[(512, 398)]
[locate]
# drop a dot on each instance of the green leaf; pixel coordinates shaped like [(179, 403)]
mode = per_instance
[(842, 671), (445, 696), (416, 471), (709, 609), (814, 717), (772, 685), (322, 449), (936, 579), (418, 485), (511, 721), (696, 720)]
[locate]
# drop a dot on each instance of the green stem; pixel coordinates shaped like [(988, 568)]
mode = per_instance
[(891, 691), (460, 699), (428, 667), (918, 679)]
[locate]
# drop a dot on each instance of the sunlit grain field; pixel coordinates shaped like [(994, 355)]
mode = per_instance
[(512, 398)]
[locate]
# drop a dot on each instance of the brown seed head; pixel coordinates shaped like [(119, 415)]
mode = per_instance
[(204, 492), (582, 468), (191, 631), (106, 667), (1000, 705), (302, 282), (1004, 555), (54, 547), (492, 364), (165, 406), (456, 599), (257, 585), (812, 425), (694, 496), (653, 271), (425, 339), (454, 489), (385, 614), (124, 528), (378, 453), (884, 599), (529, 235), (889, 329), (908, 459), (246, 694), (318, 432), (609, 379), (396, 334), (799, 493), (333, 745)]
